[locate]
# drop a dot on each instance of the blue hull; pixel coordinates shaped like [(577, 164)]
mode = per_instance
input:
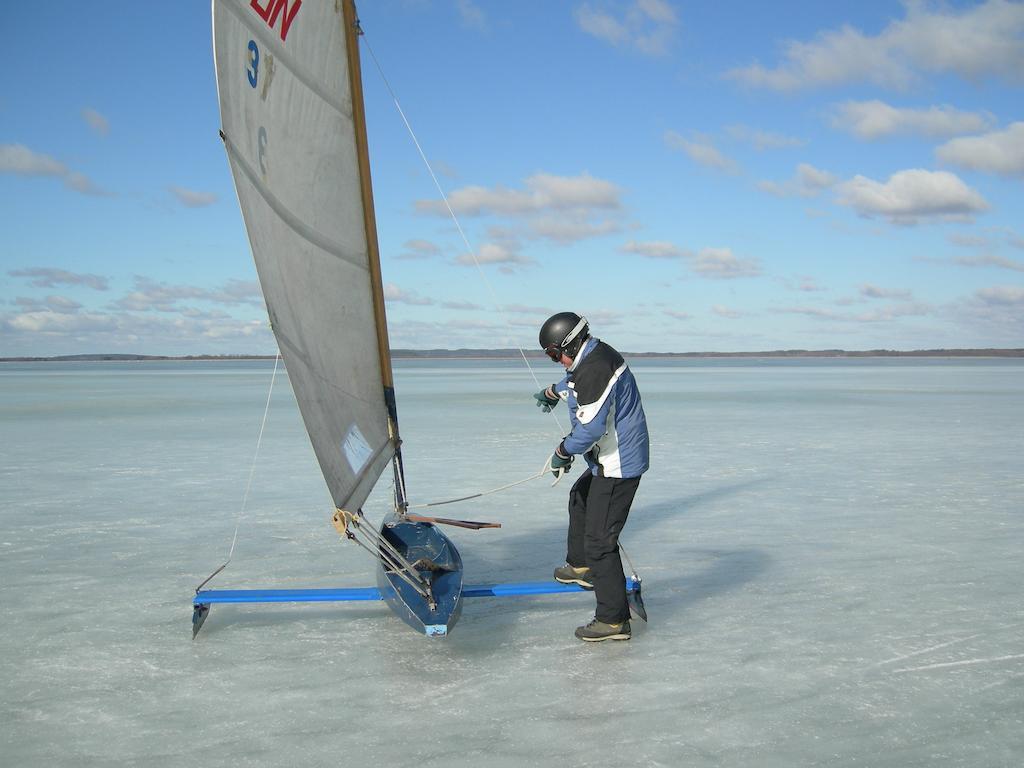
[(435, 558)]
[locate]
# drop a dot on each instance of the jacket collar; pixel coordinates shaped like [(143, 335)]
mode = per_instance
[(584, 351)]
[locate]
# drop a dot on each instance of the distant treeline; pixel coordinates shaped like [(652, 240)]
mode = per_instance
[(515, 353)]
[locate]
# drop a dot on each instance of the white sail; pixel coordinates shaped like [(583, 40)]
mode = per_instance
[(297, 153)]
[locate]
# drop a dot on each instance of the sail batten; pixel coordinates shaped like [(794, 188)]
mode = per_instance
[(296, 146), (296, 224)]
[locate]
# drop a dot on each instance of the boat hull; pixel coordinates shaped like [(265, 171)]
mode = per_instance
[(437, 559)]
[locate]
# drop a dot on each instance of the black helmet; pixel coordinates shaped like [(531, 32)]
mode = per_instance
[(563, 333)]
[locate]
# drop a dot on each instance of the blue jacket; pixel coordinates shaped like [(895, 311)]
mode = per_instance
[(608, 423)]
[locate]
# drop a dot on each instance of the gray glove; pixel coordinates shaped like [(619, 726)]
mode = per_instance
[(559, 464), (546, 400)]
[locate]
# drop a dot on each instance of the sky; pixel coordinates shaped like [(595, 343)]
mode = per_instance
[(690, 176)]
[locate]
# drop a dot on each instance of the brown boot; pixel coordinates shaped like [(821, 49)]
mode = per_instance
[(597, 631), (568, 574)]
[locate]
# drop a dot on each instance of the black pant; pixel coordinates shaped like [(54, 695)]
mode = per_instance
[(598, 508)]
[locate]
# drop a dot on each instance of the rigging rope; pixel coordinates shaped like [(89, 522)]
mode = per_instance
[(455, 219), (252, 471), (373, 541), (483, 276), (543, 471)]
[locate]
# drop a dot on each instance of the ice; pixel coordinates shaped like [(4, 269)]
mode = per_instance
[(831, 553)]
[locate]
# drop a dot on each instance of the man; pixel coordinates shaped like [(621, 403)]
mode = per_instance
[(610, 430)]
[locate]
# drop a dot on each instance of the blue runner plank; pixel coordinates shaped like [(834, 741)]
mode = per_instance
[(211, 596)]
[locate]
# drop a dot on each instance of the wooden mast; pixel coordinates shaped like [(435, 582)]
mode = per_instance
[(351, 22), (369, 219)]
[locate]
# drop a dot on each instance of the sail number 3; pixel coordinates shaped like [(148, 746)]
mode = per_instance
[(253, 70)]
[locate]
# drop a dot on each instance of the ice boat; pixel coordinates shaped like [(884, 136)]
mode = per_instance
[(290, 91), (293, 127)]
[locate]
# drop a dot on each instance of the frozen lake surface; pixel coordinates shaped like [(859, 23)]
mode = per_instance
[(832, 554)]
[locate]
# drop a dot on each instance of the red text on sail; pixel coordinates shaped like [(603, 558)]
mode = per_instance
[(269, 10)]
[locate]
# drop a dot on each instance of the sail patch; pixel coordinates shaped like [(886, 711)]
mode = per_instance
[(357, 451)]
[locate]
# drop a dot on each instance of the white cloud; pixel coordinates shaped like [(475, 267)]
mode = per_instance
[(48, 321), (96, 121), (880, 315), (48, 277), (81, 183), (817, 312), (236, 291), (396, 295), (678, 315), (968, 241), (418, 249), (564, 192), (726, 312), (192, 199), (150, 295), (812, 179), (999, 152), (911, 195), (875, 119), (1002, 295), (762, 140), (893, 312), (464, 332), (872, 291), (601, 318), (50, 303), (646, 25), (981, 40), (562, 209), (493, 253), (184, 333), (543, 192), (715, 263), (153, 314), (601, 25), (526, 309), (62, 304), (570, 228), (998, 313), (657, 10), (810, 311), (807, 182), (19, 159), (701, 151), (657, 249), (471, 14), (722, 264), (990, 260), (808, 285)]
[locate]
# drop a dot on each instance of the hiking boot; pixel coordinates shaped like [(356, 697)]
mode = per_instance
[(597, 631), (568, 574)]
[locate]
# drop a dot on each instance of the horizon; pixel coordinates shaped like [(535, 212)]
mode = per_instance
[(815, 177), (514, 354)]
